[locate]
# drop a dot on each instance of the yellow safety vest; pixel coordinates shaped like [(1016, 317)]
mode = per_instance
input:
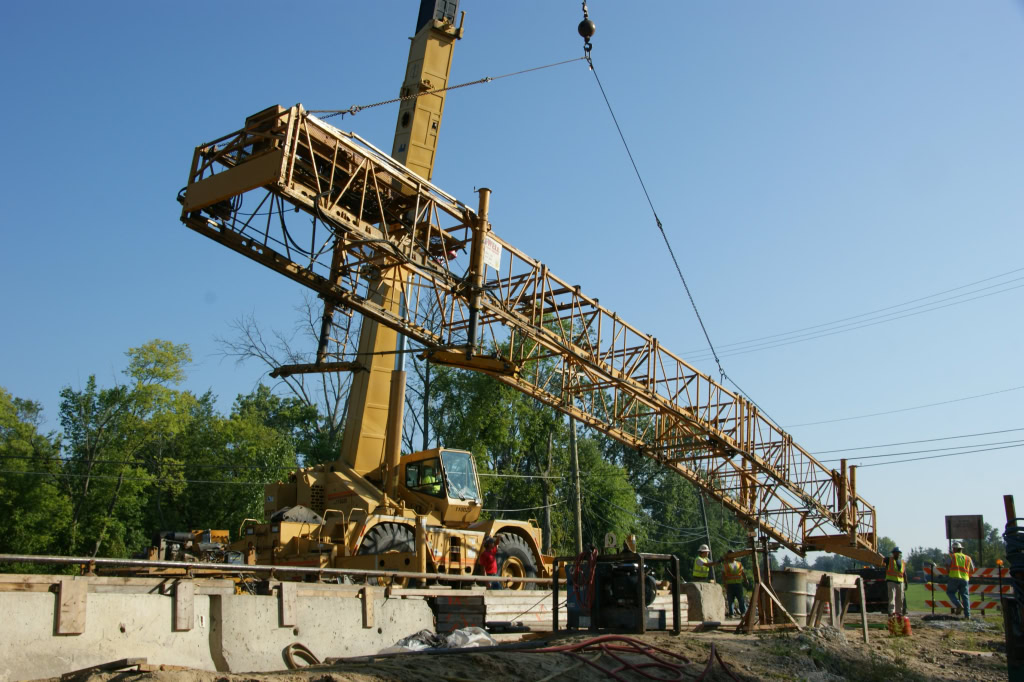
[(733, 573), (958, 566), (433, 485), (893, 575), (700, 568)]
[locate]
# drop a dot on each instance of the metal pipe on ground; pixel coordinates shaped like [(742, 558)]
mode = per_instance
[(256, 569)]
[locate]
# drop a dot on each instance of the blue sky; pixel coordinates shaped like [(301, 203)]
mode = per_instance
[(810, 162)]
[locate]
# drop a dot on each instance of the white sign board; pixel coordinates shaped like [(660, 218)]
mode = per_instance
[(492, 253)]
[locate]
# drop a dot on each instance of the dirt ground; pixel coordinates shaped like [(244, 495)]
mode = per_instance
[(815, 655)]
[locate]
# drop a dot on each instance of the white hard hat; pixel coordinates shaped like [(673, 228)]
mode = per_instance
[(957, 545), (703, 548)]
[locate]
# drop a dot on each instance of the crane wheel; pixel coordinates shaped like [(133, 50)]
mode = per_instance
[(516, 560), (388, 537)]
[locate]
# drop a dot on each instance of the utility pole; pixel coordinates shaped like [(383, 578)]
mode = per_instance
[(574, 457), (707, 532), (546, 540)]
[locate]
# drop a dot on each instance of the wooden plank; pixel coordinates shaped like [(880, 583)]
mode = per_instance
[(843, 581), (368, 595), (416, 592), (25, 587), (112, 665), (71, 606), (29, 579), (134, 589), (349, 591), (460, 600), (782, 608), (117, 583), (749, 625), (462, 608), (863, 609), (184, 605), (287, 593), (831, 601)]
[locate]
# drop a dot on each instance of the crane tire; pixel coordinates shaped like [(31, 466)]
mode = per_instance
[(388, 537), (516, 559)]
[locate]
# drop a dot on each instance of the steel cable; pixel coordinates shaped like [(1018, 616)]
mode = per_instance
[(486, 79), (668, 245)]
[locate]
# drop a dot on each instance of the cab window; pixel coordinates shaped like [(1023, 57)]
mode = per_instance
[(425, 477), (461, 475)]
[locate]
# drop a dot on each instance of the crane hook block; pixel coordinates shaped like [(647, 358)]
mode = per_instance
[(586, 29)]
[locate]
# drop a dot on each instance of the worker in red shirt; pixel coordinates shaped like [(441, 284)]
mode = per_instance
[(488, 561)]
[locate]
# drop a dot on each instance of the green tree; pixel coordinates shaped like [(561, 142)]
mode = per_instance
[(609, 503), (993, 546), (117, 441), (920, 557), (34, 514), (230, 462), (886, 545)]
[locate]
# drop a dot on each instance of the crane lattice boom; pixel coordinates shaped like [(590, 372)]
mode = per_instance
[(361, 217)]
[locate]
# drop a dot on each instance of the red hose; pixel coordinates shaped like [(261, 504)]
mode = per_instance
[(670, 665)]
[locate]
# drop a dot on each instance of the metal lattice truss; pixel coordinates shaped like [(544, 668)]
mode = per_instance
[(328, 210)]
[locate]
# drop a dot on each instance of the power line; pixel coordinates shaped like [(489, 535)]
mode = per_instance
[(914, 442), (167, 465), (668, 245), (953, 454), (756, 340), (543, 506), (906, 409), (866, 324), (918, 452), (152, 479)]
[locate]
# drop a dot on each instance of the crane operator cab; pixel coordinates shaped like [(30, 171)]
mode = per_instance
[(444, 481)]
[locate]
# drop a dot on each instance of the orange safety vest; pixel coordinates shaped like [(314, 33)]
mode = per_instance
[(958, 566), (892, 574), (733, 573)]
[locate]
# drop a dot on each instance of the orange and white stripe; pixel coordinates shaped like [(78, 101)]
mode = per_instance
[(976, 573), (974, 604), (974, 589)]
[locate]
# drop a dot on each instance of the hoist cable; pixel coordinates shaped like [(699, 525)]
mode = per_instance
[(486, 79), (668, 245)]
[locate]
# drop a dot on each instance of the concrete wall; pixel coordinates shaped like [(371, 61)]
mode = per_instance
[(251, 641), (228, 632), (117, 626)]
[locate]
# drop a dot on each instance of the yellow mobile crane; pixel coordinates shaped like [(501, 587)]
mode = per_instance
[(372, 508), (414, 260)]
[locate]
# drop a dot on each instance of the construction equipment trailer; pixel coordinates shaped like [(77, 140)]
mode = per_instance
[(369, 233)]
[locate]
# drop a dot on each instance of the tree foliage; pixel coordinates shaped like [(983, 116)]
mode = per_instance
[(140, 456), (33, 513)]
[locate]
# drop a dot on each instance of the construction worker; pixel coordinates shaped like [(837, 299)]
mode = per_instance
[(702, 565), (960, 569), (488, 561), (734, 579), (895, 582), (430, 483)]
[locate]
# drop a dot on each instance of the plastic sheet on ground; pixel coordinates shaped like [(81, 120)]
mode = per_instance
[(464, 638)]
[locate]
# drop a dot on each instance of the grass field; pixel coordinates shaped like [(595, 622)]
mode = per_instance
[(917, 594)]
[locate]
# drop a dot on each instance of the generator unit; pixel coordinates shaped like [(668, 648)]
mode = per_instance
[(615, 592)]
